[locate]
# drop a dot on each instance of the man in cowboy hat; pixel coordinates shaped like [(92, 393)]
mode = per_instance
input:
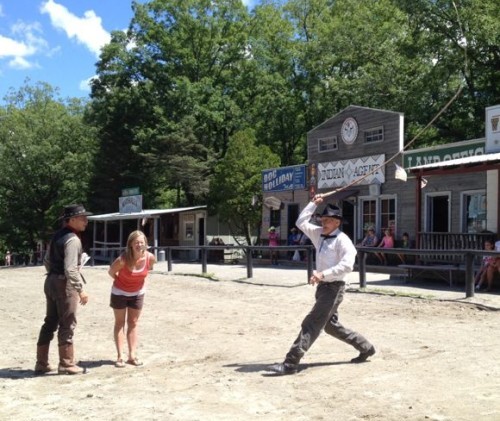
[(335, 256), (63, 291)]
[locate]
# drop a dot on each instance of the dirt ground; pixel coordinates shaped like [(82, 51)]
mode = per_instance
[(206, 344)]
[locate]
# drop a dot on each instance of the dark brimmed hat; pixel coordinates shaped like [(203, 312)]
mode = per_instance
[(332, 211), (71, 211)]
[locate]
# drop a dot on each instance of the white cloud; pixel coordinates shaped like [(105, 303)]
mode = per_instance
[(10, 47), (25, 42), (21, 63), (1, 11), (87, 30), (85, 84)]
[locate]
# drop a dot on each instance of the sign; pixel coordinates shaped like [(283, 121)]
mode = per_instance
[(131, 191), (342, 173), (493, 129), (282, 179), (130, 204), (439, 154)]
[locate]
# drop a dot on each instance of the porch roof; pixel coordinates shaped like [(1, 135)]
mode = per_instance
[(146, 213)]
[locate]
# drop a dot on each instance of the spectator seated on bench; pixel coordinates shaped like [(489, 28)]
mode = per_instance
[(387, 242), (490, 266), (370, 240), (404, 243)]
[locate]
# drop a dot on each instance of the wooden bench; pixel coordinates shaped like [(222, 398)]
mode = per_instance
[(442, 271)]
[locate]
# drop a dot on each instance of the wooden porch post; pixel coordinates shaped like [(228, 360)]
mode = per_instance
[(418, 205)]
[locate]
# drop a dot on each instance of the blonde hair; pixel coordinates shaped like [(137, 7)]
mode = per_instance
[(129, 252)]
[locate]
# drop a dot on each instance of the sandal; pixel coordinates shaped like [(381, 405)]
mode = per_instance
[(119, 363), (135, 361)]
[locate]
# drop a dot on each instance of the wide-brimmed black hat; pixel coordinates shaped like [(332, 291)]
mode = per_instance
[(332, 211), (73, 210)]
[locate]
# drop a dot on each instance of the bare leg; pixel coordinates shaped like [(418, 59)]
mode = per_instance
[(132, 319), (118, 332), (490, 273)]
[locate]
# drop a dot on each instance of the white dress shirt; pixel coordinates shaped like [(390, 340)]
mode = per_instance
[(335, 257)]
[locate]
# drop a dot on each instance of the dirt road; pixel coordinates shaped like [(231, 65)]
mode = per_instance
[(206, 344)]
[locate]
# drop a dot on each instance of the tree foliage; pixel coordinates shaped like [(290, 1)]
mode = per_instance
[(45, 162), (177, 93), (236, 181)]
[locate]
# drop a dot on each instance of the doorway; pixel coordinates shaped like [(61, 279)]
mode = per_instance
[(293, 214), (348, 219), (438, 213)]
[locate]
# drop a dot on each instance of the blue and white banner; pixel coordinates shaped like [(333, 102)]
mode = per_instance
[(282, 179)]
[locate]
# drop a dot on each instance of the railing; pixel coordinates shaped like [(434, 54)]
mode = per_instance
[(468, 257), (452, 241), (437, 241), (204, 251)]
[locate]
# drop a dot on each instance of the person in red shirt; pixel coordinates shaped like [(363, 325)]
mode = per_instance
[(129, 272)]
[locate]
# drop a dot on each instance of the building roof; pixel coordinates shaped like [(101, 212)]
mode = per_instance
[(146, 213), (490, 158), (349, 109)]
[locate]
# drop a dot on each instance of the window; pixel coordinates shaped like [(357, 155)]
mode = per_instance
[(474, 211), (388, 214), (378, 213), (327, 144), (374, 135), (368, 214), (275, 220)]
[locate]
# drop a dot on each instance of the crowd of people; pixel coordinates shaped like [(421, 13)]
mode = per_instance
[(386, 242)]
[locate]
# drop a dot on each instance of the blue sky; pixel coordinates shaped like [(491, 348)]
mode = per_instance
[(57, 41)]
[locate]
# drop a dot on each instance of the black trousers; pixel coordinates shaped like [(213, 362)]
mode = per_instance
[(324, 315)]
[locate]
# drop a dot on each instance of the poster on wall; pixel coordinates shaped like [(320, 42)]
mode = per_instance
[(364, 170)]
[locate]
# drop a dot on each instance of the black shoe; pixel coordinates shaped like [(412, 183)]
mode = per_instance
[(284, 368), (363, 356)]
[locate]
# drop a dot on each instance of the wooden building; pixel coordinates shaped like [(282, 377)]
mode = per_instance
[(358, 152), (347, 152), (163, 227)]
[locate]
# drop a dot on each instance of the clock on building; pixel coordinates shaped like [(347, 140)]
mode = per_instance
[(349, 130)]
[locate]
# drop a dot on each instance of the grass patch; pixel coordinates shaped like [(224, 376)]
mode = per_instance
[(392, 293)]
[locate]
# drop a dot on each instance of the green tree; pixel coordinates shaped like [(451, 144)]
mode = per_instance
[(176, 64), (460, 39), (238, 180), (45, 162), (270, 85)]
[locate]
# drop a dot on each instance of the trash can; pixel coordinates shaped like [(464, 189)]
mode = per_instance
[(161, 256)]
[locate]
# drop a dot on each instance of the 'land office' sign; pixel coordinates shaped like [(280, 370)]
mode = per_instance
[(342, 173), (445, 153), (286, 178)]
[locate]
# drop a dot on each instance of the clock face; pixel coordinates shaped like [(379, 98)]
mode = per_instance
[(349, 130)]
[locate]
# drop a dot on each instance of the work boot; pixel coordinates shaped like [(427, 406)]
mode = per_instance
[(42, 365), (363, 356), (67, 363), (284, 368)]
